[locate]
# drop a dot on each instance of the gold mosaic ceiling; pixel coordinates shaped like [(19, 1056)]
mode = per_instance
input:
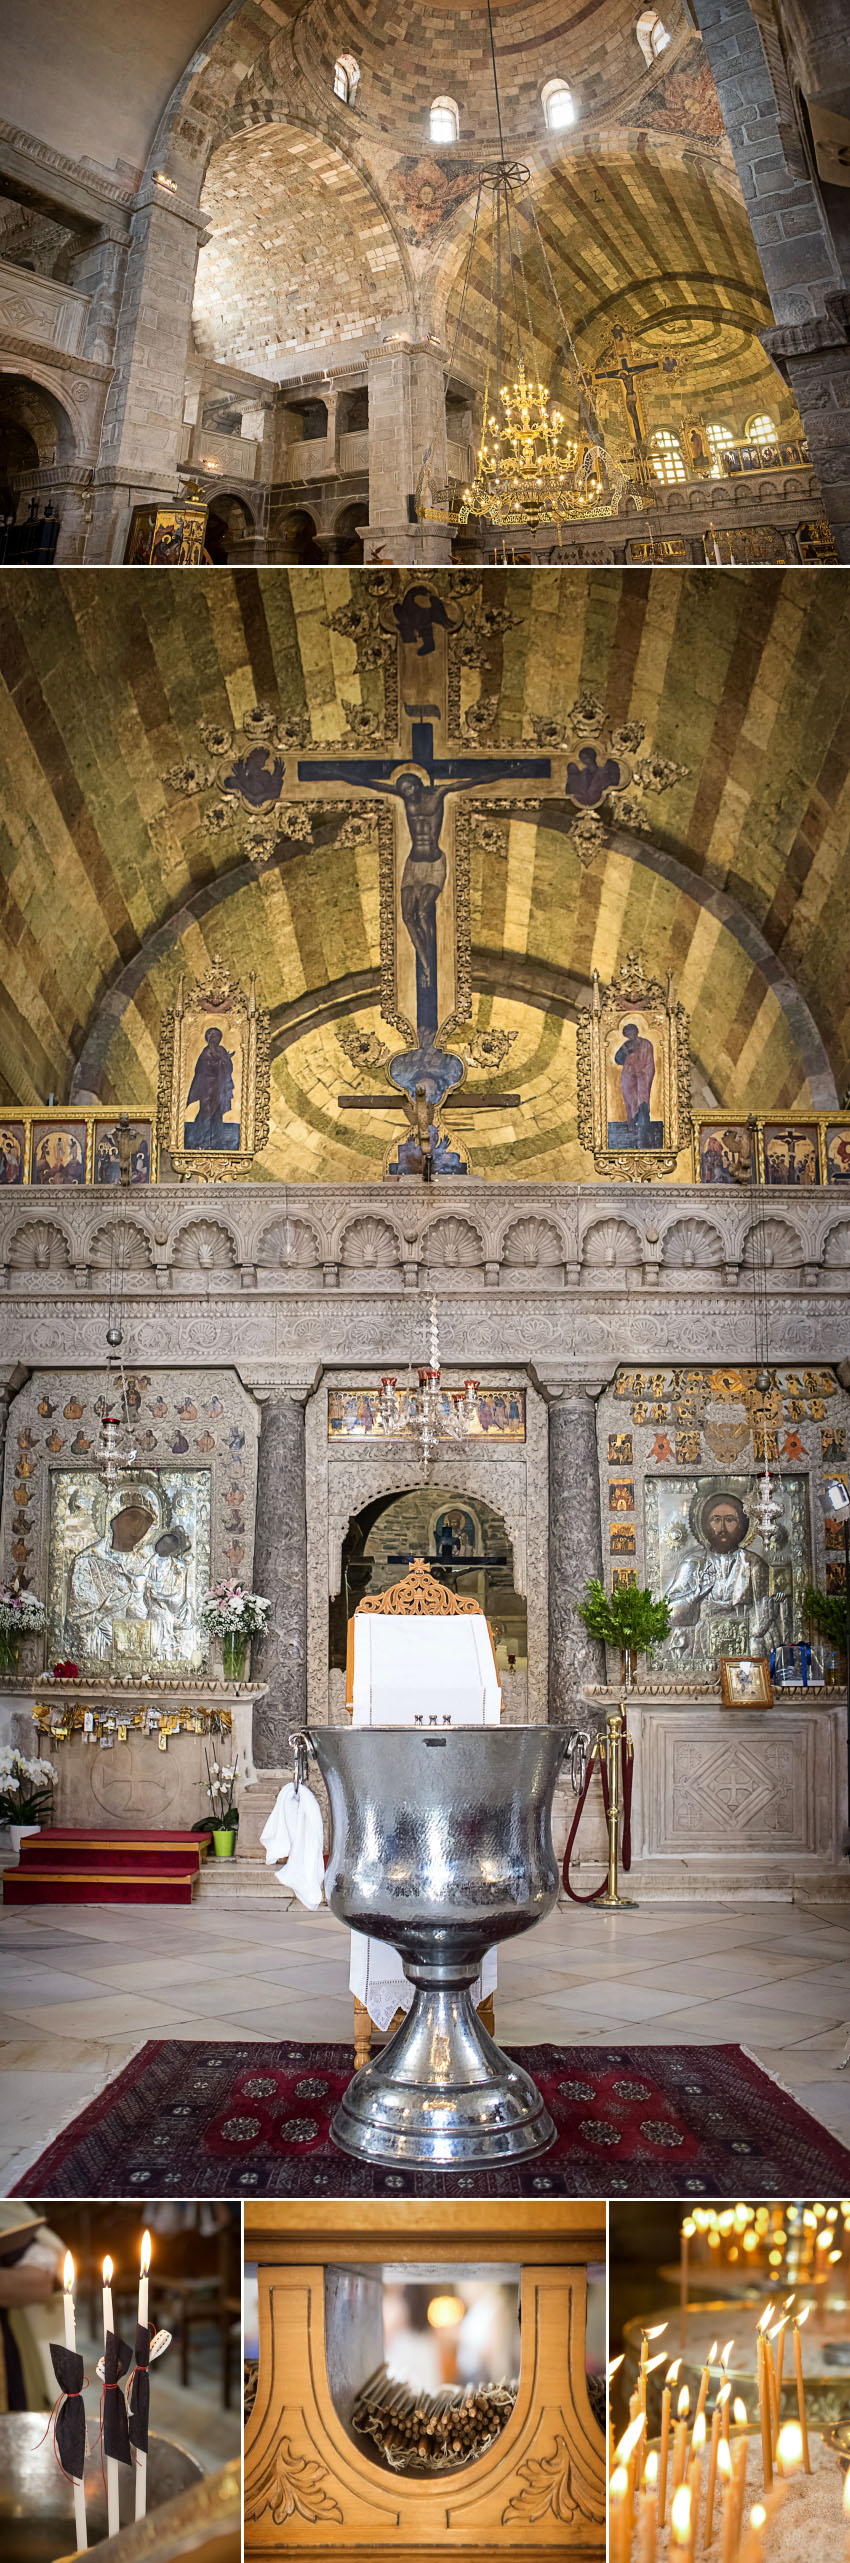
[(112, 884)]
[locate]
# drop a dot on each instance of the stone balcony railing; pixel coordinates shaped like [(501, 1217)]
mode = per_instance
[(571, 1273), (37, 307)]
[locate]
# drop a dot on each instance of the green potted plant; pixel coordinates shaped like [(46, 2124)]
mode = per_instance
[(235, 1617), (828, 1613), (223, 1821), (26, 1794), (628, 1618), (21, 1615)]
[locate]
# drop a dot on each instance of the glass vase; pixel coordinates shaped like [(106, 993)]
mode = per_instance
[(234, 1655)]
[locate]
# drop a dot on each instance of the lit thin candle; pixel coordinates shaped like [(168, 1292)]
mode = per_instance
[(680, 2439), (713, 2445), (649, 2510), (724, 2476), (688, 2229), (681, 2525), (799, 2319), (618, 2493), (670, 2379), (705, 2381), (80, 2529), (111, 2461), (142, 2318), (694, 2475)]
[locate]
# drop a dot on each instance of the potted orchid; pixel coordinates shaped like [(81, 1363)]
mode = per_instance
[(26, 1793), (21, 1615), (234, 1616), (223, 1823)]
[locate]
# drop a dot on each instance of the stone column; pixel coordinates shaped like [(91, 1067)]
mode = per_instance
[(407, 416), (280, 1570), (143, 418), (803, 270), (575, 1540)]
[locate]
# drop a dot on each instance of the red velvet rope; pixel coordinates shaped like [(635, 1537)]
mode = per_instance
[(627, 1773)]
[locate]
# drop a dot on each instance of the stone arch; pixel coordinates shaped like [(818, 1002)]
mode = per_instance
[(363, 1569), (225, 506), (237, 287), (44, 406)]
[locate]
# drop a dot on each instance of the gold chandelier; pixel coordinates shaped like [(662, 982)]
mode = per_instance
[(528, 469)]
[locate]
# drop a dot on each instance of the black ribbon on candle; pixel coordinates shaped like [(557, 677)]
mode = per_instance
[(69, 2428), (139, 2398), (116, 2436)]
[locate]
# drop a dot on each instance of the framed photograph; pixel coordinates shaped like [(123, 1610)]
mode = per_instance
[(791, 1152), (106, 1155), (59, 1149), (723, 1152), (214, 1077), (633, 1059), (13, 1151), (745, 1682)]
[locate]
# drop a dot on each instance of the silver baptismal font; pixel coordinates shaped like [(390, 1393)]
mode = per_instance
[(441, 1844)]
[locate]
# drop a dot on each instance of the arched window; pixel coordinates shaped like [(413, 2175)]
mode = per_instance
[(558, 105), (444, 121), (718, 438), (666, 452), (761, 430), (346, 76), (652, 36)]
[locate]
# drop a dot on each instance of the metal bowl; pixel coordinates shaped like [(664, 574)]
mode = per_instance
[(37, 2502), (442, 1845)]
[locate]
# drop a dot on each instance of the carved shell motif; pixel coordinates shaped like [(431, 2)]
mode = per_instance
[(773, 1242), (39, 1248), (611, 1242), (532, 1241), (837, 1248), (453, 1241), (127, 1245), (692, 1244), (289, 1241), (203, 1246), (369, 1243)]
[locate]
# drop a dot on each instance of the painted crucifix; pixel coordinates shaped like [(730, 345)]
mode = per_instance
[(422, 927), (623, 370)]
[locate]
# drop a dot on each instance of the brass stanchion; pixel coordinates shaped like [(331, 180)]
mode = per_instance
[(610, 1754)]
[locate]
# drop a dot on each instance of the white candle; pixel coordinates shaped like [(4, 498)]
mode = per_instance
[(111, 2461), (141, 2459), (71, 2343)]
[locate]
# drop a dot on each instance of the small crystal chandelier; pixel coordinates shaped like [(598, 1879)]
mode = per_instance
[(428, 1413)]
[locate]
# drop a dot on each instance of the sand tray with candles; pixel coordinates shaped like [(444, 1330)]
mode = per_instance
[(420, 2433), (808, 2524)]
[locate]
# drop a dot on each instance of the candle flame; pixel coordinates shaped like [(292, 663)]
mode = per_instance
[(652, 2363), (789, 2301), (724, 2461), (758, 2517), (630, 2438), (789, 2447), (764, 2319), (68, 2274), (698, 2440), (145, 2258), (724, 2393), (802, 2318), (650, 2471), (655, 2333), (684, 2404), (726, 2352), (672, 2372), (739, 2412), (712, 2354), (619, 2484), (614, 2363), (107, 2272), (779, 2327), (680, 2515)]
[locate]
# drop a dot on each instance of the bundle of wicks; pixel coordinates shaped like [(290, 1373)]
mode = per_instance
[(421, 2433)]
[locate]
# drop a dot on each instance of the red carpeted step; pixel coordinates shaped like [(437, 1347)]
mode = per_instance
[(75, 1864), (117, 1886)]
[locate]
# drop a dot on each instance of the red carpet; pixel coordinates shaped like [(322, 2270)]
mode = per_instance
[(76, 1864), (253, 2121)]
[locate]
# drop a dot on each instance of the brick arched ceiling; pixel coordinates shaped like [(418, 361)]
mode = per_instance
[(642, 234), (302, 257), (423, 49), (112, 882)]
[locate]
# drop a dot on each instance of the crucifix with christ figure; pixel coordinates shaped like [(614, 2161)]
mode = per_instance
[(422, 785), (624, 371)]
